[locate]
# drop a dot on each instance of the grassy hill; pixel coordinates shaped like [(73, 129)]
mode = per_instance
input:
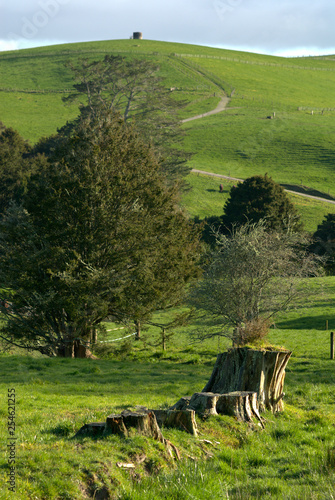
[(295, 148), (294, 456)]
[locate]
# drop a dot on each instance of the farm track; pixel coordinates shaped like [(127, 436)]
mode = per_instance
[(220, 176), (220, 107)]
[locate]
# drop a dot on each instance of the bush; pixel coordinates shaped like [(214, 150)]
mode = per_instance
[(252, 332)]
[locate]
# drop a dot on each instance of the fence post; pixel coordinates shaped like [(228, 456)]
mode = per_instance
[(331, 345)]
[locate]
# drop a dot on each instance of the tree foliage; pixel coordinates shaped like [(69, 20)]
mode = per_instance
[(98, 234), (259, 197), (324, 243), (132, 87), (15, 167), (253, 274)]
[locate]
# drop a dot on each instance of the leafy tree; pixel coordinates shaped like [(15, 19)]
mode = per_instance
[(15, 166), (252, 275), (259, 197), (324, 243), (132, 87), (99, 234)]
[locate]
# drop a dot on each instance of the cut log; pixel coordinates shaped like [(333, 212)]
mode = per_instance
[(249, 370), (143, 422)]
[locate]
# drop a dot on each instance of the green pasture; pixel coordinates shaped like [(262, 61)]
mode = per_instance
[(295, 148), (294, 457), (204, 199)]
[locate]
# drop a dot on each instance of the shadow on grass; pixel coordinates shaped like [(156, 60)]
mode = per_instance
[(217, 191), (308, 323), (310, 373)]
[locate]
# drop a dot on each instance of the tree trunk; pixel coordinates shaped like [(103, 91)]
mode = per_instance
[(248, 370), (163, 339), (94, 335), (138, 329), (81, 349)]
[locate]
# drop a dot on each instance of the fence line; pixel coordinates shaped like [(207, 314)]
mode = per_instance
[(115, 340)]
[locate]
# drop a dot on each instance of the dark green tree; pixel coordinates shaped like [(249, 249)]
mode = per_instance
[(99, 234), (15, 167), (133, 87), (260, 197), (324, 243)]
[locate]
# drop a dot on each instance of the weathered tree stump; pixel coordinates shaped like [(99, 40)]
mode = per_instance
[(115, 425), (241, 405), (183, 419), (249, 370), (144, 423), (204, 403)]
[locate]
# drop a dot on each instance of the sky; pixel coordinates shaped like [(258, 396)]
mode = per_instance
[(276, 27)]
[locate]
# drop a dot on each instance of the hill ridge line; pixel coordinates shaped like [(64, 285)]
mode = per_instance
[(12, 55)]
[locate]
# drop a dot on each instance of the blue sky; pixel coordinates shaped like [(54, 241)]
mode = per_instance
[(279, 27)]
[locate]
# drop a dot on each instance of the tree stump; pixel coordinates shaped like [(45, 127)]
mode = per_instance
[(144, 423), (204, 403), (183, 419), (241, 405), (115, 425), (249, 370)]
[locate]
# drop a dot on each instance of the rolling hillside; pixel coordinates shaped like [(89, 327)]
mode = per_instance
[(295, 148)]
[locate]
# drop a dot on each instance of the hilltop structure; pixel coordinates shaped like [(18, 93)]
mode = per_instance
[(137, 35)]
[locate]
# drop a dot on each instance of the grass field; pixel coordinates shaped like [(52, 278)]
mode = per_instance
[(204, 199), (295, 148), (293, 458)]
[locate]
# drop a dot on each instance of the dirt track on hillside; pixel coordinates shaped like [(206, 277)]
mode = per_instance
[(220, 107), (332, 202)]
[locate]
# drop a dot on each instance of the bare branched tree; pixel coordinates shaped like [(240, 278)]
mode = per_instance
[(253, 274)]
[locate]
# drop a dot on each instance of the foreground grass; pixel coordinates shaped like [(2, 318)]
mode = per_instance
[(293, 458)]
